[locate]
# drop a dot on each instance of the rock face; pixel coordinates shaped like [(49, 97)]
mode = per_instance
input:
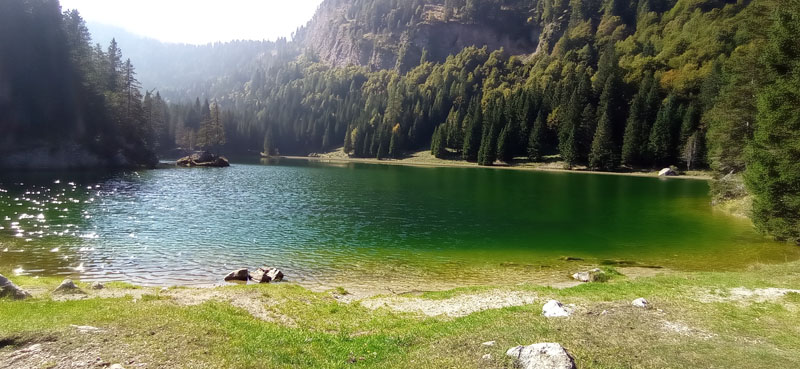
[(554, 309), (203, 159), (68, 286), (238, 275), (594, 275), (336, 38), (542, 356), (266, 275), (667, 172), (641, 303), (9, 289)]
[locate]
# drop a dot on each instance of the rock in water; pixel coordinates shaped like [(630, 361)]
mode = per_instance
[(542, 356), (68, 286), (275, 274), (667, 172), (266, 275), (554, 309), (641, 302), (238, 275), (202, 159), (594, 275), (9, 289)]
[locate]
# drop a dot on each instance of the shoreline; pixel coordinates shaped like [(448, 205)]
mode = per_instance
[(441, 163)]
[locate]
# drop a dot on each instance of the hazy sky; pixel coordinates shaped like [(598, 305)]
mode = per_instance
[(199, 21)]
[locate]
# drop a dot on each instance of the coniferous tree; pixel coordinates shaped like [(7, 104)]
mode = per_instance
[(472, 139), (773, 172), (504, 145), (637, 131), (661, 144), (536, 141), (604, 149)]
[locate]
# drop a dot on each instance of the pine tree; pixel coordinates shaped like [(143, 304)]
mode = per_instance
[(661, 144), (603, 154), (773, 170), (537, 138), (504, 145), (472, 139), (637, 131)]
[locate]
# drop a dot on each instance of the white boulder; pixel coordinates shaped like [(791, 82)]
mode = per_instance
[(641, 302), (554, 309), (667, 172), (542, 356)]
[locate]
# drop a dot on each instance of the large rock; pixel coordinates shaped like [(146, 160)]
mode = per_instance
[(202, 159), (266, 275), (667, 172), (554, 309), (594, 275), (238, 275), (9, 289), (542, 356)]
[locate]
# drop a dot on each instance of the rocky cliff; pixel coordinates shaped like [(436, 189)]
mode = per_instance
[(341, 34)]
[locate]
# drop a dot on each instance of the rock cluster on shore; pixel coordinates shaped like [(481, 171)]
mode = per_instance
[(260, 275), (203, 159)]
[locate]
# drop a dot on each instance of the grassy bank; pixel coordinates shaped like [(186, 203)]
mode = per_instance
[(425, 159), (715, 319)]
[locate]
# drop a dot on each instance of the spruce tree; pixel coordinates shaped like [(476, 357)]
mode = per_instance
[(472, 139), (634, 142), (661, 144), (504, 145), (604, 149), (773, 169), (603, 155), (536, 140)]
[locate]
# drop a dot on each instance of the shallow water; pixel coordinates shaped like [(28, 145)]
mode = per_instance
[(325, 223)]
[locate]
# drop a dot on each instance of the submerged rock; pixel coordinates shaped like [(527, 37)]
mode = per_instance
[(554, 309), (9, 289), (594, 275), (238, 275), (266, 275), (203, 159), (542, 356), (641, 303)]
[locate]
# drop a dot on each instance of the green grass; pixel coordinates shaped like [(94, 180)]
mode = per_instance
[(326, 333)]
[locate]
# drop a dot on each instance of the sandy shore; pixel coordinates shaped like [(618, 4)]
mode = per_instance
[(425, 159)]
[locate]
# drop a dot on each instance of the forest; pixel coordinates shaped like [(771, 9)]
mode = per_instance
[(613, 85)]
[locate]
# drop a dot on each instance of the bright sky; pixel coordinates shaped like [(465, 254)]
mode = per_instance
[(199, 21)]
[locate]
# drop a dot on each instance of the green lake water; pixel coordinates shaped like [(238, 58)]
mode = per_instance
[(327, 223)]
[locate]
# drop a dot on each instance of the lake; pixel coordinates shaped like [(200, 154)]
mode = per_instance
[(339, 224)]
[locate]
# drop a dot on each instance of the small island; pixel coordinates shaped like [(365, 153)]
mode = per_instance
[(203, 159)]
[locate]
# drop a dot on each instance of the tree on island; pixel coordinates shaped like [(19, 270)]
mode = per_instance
[(212, 134)]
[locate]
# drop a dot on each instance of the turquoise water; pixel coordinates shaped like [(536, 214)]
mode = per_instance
[(322, 223)]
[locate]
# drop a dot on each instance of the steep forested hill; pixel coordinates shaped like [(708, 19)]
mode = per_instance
[(63, 102)]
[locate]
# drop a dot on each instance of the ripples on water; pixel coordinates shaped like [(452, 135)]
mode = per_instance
[(320, 223)]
